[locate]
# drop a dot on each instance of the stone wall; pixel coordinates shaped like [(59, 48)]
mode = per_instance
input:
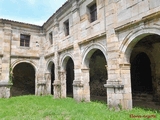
[(119, 26)]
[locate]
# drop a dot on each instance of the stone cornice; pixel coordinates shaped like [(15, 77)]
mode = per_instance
[(92, 38), (23, 56), (66, 48), (49, 55), (4, 84), (136, 22), (20, 24)]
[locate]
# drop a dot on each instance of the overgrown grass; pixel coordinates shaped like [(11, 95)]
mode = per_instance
[(47, 108)]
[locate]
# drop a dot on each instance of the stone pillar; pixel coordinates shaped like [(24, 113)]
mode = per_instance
[(59, 75), (6, 53), (60, 85), (86, 87), (5, 89), (125, 78), (119, 90), (77, 86), (156, 81), (6, 81), (41, 83), (48, 83), (78, 82)]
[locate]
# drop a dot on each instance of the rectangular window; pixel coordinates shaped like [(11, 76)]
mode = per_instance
[(93, 12), (66, 27), (51, 38), (24, 40)]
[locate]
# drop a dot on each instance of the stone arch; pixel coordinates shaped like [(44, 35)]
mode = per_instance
[(50, 76), (147, 52), (24, 61), (67, 76), (133, 38), (143, 40), (23, 79), (65, 59), (95, 58), (90, 50), (49, 65)]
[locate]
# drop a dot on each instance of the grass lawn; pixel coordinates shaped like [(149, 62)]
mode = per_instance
[(47, 108)]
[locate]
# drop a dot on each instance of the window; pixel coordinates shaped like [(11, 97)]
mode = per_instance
[(24, 40), (66, 27), (93, 12), (51, 38)]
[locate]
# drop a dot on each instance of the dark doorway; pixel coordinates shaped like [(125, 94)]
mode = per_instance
[(52, 78), (23, 80), (98, 76), (69, 77), (141, 79)]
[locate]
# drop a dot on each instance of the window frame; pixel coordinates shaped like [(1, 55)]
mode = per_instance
[(24, 40), (66, 27), (51, 38), (93, 12)]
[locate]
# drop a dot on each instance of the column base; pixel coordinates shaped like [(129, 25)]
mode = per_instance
[(5, 89)]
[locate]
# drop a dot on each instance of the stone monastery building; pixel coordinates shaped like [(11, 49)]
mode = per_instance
[(86, 49)]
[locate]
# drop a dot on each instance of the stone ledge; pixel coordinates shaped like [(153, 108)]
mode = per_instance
[(4, 84), (41, 83), (57, 83), (113, 86), (77, 84)]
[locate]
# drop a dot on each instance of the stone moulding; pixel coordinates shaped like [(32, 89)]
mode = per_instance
[(114, 86), (77, 84), (136, 22), (102, 34), (49, 55), (22, 56), (41, 83), (57, 83), (5, 84)]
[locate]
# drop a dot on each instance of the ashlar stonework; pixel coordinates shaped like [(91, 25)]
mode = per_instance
[(87, 48)]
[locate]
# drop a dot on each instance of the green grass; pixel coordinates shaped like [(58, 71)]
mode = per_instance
[(47, 108)]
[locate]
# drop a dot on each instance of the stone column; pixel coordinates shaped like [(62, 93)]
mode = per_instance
[(77, 85), (58, 74), (125, 78), (5, 81), (60, 85), (48, 83), (156, 81), (119, 90), (6, 53), (86, 87), (41, 83)]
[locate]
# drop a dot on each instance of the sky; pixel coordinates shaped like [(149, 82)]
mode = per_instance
[(29, 11)]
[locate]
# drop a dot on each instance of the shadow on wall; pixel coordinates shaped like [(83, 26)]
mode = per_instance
[(98, 74), (23, 80)]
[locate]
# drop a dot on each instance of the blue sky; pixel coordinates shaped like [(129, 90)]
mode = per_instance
[(29, 11)]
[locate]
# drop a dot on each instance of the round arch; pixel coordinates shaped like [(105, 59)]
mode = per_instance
[(147, 52), (49, 65), (65, 59), (90, 50), (24, 79), (134, 37), (24, 61)]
